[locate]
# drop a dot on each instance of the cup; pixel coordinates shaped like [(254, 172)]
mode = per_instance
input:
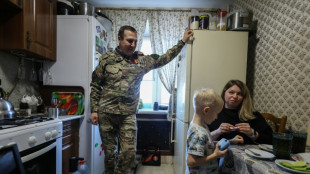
[(53, 112), (299, 142), (282, 145), (155, 107)]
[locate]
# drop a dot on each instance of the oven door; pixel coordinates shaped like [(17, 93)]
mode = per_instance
[(44, 158)]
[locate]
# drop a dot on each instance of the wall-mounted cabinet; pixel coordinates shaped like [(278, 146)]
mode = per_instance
[(32, 31), (9, 8)]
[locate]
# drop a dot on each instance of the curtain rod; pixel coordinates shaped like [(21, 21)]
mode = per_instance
[(162, 9)]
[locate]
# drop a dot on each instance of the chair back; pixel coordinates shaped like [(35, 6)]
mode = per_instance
[(279, 123)]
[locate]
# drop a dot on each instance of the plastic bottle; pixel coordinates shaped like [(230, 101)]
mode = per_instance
[(221, 20), (82, 168)]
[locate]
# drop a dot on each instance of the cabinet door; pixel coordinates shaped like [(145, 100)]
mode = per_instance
[(40, 27), (32, 32)]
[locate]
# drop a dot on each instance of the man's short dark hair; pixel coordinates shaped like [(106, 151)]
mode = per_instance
[(123, 28)]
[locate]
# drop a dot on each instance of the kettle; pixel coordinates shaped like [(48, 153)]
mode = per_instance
[(6, 108)]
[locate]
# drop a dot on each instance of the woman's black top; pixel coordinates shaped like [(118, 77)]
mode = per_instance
[(231, 116)]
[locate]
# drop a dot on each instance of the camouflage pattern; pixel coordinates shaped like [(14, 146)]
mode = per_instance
[(115, 95), (116, 80), (118, 159)]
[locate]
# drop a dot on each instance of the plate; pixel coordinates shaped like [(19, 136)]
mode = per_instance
[(266, 147), (263, 154), (277, 161)]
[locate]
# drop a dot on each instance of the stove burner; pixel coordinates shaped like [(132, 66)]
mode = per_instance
[(24, 120)]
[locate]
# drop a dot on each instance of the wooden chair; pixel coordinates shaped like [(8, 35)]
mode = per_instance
[(279, 123)]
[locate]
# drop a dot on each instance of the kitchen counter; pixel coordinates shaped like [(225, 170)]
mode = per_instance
[(70, 117)]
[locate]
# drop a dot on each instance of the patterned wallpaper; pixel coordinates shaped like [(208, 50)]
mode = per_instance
[(279, 58), (8, 72)]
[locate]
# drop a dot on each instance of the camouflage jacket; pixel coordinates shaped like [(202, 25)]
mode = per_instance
[(115, 86)]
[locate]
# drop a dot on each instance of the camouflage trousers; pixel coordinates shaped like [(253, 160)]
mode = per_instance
[(118, 134)]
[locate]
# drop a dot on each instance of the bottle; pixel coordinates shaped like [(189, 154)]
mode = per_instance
[(194, 22), (204, 22), (221, 20), (82, 168)]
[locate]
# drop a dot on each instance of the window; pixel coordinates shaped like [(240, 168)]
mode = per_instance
[(151, 89)]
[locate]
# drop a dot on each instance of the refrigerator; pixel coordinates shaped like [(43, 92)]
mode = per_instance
[(209, 60), (81, 40)]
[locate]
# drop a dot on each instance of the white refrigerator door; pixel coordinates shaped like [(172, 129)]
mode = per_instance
[(183, 85), (180, 147), (99, 41), (214, 58)]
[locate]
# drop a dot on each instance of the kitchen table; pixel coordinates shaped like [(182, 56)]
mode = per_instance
[(243, 163)]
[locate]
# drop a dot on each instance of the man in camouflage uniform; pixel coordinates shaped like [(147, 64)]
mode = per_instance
[(115, 95)]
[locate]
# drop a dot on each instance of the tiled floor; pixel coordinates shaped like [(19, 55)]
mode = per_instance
[(166, 167), (162, 169)]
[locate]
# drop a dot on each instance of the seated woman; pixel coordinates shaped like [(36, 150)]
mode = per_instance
[(237, 117)]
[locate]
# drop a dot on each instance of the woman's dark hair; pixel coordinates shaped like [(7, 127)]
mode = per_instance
[(122, 30), (246, 107)]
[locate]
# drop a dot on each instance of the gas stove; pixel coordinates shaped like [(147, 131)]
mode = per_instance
[(23, 120), (29, 131)]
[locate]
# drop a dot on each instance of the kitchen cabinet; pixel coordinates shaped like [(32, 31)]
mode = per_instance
[(70, 142), (31, 32), (9, 8)]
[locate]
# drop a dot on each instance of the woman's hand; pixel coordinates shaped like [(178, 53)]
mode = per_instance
[(224, 128), (94, 118), (245, 128), (237, 140)]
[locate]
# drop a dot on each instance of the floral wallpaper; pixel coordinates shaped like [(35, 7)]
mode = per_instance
[(279, 58)]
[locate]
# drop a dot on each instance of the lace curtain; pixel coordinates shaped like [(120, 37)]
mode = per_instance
[(121, 17), (166, 29)]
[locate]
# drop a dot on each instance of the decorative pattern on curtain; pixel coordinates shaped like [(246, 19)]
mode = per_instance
[(166, 29), (121, 17)]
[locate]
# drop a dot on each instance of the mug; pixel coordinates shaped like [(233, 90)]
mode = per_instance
[(155, 107), (53, 112), (299, 142), (282, 145)]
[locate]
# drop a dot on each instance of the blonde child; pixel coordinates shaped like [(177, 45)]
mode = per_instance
[(201, 155)]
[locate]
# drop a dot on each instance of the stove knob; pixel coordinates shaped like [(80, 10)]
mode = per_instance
[(32, 140), (54, 133), (48, 135)]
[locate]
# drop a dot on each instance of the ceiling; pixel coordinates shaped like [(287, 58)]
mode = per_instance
[(161, 3)]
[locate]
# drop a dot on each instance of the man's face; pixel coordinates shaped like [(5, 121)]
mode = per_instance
[(128, 44)]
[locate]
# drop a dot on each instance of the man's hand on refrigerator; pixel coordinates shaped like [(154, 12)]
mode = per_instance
[(94, 118)]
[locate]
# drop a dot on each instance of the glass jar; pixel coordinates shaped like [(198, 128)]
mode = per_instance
[(204, 22), (221, 20), (194, 22)]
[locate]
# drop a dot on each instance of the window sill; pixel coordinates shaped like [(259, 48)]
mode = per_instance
[(151, 115), (152, 112)]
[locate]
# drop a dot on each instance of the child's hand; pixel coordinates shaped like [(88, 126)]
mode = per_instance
[(219, 153), (237, 140)]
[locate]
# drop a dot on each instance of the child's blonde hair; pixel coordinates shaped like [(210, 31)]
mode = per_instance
[(206, 97)]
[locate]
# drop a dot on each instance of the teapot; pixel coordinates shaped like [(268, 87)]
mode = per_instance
[(33, 100)]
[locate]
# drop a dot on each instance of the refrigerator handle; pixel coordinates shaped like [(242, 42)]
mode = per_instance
[(172, 130)]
